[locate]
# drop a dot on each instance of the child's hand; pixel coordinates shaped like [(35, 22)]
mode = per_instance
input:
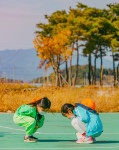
[(36, 126)]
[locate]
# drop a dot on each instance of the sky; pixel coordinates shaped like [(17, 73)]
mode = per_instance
[(18, 18)]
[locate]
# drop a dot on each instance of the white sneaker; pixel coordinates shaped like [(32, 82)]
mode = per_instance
[(79, 135), (29, 139)]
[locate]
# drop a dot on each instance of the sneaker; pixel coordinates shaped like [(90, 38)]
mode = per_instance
[(29, 139), (34, 137), (84, 139), (79, 136)]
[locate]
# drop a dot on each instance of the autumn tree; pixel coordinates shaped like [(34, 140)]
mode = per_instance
[(53, 51)]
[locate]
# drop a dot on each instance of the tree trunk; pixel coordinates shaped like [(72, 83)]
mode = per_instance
[(66, 71), (77, 64), (58, 72), (60, 79), (70, 72), (95, 65), (101, 75), (101, 71), (95, 69), (89, 73), (70, 67), (118, 75), (92, 76), (56, 77), (114, 70)]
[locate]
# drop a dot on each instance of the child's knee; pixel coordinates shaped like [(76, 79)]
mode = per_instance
[(32, 121), (16, 119), (74, 121), (25, 121), (78, 125)]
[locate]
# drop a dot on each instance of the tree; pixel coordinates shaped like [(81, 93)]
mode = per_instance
[(74, 20), (89, 33), (114, 41), (97, 30), (53, 51)]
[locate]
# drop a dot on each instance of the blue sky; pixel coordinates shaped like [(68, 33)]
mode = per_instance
[(18, 18)]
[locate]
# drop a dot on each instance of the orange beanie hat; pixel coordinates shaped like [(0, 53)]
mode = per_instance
[(89, 103), (36, 99)]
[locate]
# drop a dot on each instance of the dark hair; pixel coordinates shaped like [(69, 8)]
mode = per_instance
[(43, 102), (66, 107)]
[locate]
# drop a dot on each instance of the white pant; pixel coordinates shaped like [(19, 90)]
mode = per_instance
[(78, 125)]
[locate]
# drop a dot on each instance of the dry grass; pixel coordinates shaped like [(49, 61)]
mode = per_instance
[(106, 99)]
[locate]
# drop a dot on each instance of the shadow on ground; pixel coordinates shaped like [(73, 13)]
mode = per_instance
[(58, 140), (55, 140)]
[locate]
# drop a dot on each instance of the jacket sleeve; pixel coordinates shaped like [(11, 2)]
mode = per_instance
[(83, 115), (40, 121)]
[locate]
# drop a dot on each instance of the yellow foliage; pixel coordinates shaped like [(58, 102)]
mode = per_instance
[(53, 48)]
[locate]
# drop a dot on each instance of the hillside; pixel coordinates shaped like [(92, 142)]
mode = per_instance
[(20, 64), (23, 64)]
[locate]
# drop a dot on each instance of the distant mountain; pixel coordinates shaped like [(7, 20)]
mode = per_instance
[(23, 64), (20, 64)]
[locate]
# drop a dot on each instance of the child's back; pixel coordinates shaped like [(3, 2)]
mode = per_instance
[(26, 110), (92, 120), (85, 120)]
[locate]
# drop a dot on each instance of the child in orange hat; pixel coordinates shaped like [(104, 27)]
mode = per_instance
[(84, 119), (31, 116)]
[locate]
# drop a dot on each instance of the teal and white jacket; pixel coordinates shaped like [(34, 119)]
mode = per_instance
[(90, 117)]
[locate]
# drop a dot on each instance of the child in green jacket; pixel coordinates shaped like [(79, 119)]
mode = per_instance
[(31, 116)]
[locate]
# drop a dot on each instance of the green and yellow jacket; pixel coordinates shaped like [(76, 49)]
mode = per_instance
[(30, 111)]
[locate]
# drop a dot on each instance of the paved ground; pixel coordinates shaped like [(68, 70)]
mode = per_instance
[(57, 133)]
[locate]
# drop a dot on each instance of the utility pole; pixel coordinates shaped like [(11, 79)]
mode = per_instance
[(13, 73)]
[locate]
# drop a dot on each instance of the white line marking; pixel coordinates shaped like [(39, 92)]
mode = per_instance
[(43, 133), (55, 148), (11, 128), (56, 133), (67, 148), (36, 132)]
